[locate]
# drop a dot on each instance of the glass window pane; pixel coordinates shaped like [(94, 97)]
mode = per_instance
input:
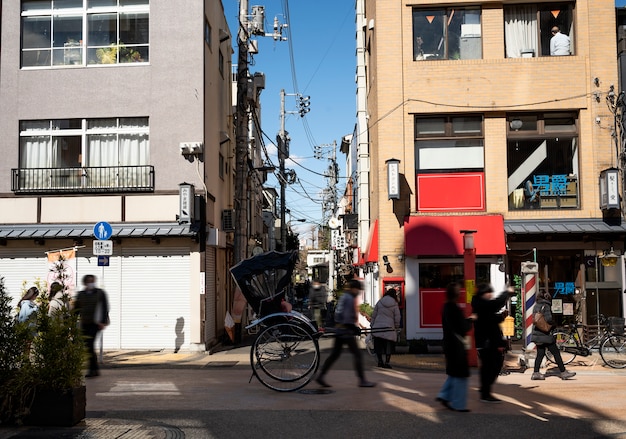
[(36, 33), (101, 29), (67, 4), (467, 125), (134, 28), (68, 31), (101, 123), (428, 34), (464, 34), (564, 123), (133, 122), (550, 16), (523, 123), (34, 125), (134, 2), (36, 58), (36, 5), (430, 126), (101, 3), (67, 124)]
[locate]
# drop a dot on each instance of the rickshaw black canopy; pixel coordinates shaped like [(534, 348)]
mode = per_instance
[(263, 279)]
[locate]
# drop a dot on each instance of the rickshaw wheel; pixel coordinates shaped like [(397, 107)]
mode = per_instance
[(285, 356)]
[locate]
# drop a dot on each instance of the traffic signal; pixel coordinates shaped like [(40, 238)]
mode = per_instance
[(304, 105)]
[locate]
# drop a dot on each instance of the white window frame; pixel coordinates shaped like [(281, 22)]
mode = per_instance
[(83, 45)]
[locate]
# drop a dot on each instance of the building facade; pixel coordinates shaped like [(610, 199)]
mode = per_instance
[(496, 131), (121, 113)]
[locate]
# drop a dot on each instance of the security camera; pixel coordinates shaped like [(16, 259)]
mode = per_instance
[(185, 149)]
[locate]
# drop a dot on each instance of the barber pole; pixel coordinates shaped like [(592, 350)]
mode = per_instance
[(529, 270)]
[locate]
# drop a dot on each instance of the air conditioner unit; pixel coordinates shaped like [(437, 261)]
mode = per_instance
[(228, 220)]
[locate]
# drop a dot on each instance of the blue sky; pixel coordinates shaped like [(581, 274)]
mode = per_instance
[(321, 37)]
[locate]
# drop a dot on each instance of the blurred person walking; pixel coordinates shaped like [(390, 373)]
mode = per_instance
[(490, 342), (386, 315), (545, 339), (346, 319), (93, 309), (453, 393)]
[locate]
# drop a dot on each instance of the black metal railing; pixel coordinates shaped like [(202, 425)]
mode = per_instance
[(83, 180)]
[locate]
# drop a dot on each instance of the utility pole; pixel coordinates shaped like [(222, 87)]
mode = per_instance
[(241, 137), (283, 153)]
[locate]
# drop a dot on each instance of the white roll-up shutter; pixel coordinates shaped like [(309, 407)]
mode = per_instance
[(154, 299), (21, 265)]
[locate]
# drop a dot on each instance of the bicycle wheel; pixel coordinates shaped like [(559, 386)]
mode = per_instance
[(563, 340), (285, 356), (613, 351)]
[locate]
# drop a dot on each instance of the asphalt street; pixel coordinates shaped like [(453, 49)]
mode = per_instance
[(196, 395)]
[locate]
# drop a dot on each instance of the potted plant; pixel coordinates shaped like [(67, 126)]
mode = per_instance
[(45, 385)]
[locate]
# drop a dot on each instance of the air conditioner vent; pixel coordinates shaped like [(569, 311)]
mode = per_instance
[(228, 220)]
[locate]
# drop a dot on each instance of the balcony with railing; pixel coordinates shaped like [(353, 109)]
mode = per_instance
[(83, 180)]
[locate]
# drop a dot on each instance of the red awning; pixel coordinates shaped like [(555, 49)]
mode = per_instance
[(441, 235), (371, 253)]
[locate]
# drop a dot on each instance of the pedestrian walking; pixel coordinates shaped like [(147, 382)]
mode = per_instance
[(386, 315), (93, 309), (453, 393), (545, 339), (490, 343), (346, 319)]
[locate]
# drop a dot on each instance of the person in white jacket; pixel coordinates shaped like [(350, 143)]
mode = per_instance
[(386, 315)]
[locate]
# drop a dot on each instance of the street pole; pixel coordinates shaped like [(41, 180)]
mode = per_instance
[(282, 155), (241, 137), (469, 272)]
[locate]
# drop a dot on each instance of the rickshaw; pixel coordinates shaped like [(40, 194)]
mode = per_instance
[(285, 354)]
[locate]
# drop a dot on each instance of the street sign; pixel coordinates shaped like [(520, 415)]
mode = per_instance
[(103, 248), (102, 230), (103, 261)]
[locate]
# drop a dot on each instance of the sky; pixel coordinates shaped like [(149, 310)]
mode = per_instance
[(317, 60)]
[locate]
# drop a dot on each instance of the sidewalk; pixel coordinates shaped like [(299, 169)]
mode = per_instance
[(239, 356)]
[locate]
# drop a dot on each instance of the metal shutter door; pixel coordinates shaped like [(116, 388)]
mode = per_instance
[(154, 298), (17, 266)]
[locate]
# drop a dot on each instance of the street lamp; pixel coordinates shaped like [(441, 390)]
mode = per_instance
[(469, 274)]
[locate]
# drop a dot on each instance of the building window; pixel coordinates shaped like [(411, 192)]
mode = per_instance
[(449, 163), (58, 33), (453, 33), (207, 33), (542, 161), (221, 63), (449, 144), (98, 149), (528, 30)]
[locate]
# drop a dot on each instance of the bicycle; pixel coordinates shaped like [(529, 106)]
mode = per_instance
[(610, 341)]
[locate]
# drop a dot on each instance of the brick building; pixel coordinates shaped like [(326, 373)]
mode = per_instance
[(492, 134)]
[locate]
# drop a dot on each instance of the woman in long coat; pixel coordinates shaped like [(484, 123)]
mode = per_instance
[(386, 314), (453, 394)]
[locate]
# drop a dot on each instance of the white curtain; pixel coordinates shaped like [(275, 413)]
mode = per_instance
[(101, 151), (36, 152), (520, 30)]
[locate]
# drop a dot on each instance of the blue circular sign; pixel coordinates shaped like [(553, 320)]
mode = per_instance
[(102, 230)]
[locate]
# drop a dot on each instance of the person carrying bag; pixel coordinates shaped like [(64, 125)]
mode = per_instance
[(544, 339)]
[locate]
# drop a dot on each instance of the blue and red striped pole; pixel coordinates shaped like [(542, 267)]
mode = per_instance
[(529, 270)]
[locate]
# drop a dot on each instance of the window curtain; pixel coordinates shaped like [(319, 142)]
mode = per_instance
[(102, 152), (520, 30), (36, 152)]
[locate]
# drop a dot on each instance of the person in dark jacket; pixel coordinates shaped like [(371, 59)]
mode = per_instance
[(93, 310), (453, 394), (385, 324), (346, 319), (546, 340), (490, 342)]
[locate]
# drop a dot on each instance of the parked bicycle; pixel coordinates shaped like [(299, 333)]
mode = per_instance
[(610, 341)]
